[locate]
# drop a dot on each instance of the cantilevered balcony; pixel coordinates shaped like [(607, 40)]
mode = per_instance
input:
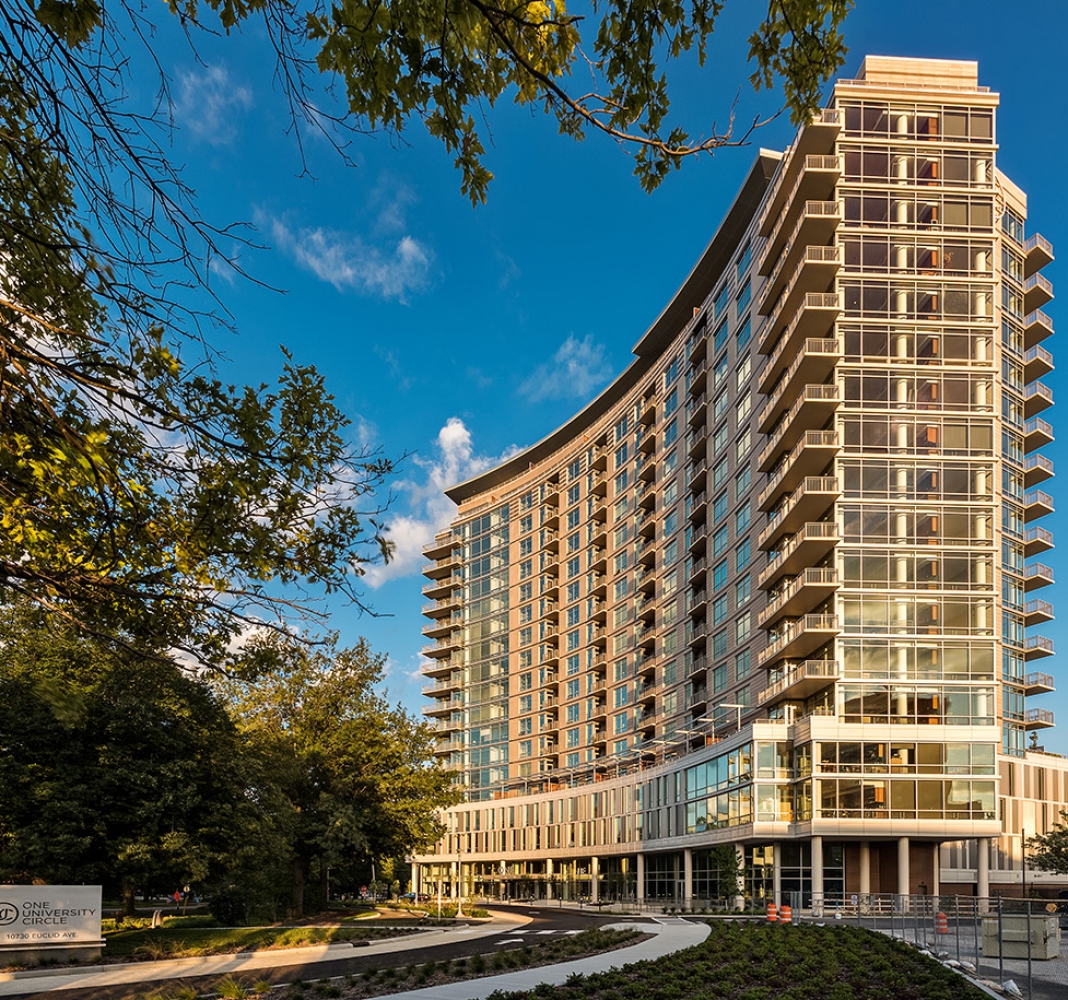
[(1037, 327), (814, 318), (1038, 253), (1037, 504), (787, 227), (695, 409), (442, 648), (695, 378), (439, 628), (696, 506), (1037, 362), (1037, 540), (1037, 575), (698, 539), (1038, 683), (1038, 718), (1037, 646), (648, 720), (445, 607), (697, 441), (812, 364), (444, 543), (446, 747), (799, 680), (1037, 397), (1037, 434), (647, 693), (808, 590), (805, 224), (1037, 612), (443, 587), (1038, 290), (441, 667), (1037, 469), (801, 269), (804, 548), (445, 566), (812, 408), (446, 686), (798, 639), (813, 496), (442, 712), (808, 458), (801, 177)]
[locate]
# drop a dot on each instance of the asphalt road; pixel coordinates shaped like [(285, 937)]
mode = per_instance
[(544, 921)]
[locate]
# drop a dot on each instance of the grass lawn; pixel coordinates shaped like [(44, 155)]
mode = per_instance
[(184, 942)]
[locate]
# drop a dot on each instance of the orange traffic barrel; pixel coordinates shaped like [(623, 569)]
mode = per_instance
[(784, 914), (941, 924), (773, 913)]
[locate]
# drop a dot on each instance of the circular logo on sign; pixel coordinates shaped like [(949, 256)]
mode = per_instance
[(9, 913)]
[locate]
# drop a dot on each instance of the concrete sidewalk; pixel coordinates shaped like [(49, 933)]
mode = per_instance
[(671, 934), (49, 980)]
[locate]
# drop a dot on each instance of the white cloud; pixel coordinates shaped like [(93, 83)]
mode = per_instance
[(576, 371), (346, 261), (430, 511), (209, 103)]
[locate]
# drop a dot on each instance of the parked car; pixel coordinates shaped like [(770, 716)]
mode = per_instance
[(415, 897)]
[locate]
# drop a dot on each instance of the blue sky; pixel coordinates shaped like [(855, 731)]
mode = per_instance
[(453, 335)]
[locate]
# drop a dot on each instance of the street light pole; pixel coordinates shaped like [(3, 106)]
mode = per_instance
[(726, 704), (459, 886)]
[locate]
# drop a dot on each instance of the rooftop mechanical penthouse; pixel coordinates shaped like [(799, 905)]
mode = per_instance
[(780, 586)]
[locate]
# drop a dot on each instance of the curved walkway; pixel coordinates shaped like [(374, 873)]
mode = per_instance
[(671, 934)]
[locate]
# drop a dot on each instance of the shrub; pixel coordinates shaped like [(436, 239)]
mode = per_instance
[(230, 988)]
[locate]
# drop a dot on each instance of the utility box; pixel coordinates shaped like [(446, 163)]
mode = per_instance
[(1044, 930)]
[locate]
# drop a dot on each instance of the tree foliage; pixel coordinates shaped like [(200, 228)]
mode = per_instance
[(356, 773), (1049, 851), (145, 780), (113, 774), (141, 497)]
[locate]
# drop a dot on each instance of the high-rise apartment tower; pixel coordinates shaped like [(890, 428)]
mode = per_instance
[(775, 588)]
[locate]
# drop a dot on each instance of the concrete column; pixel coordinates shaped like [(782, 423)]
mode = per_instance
[(817, 871), (903, 866), (595, 874), (687, 877), (936, 867), (865, 867), (548, 878), (776, 874), (640, 888), (456, 875), (982, 866), (417, 877)]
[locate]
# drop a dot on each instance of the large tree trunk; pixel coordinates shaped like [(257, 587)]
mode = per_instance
[(129, 903), (296, 904), (324, 886)]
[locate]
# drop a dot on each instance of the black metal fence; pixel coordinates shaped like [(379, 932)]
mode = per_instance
[(999, 939)]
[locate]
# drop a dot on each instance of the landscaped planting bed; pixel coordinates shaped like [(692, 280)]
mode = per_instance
[(755, 961)]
